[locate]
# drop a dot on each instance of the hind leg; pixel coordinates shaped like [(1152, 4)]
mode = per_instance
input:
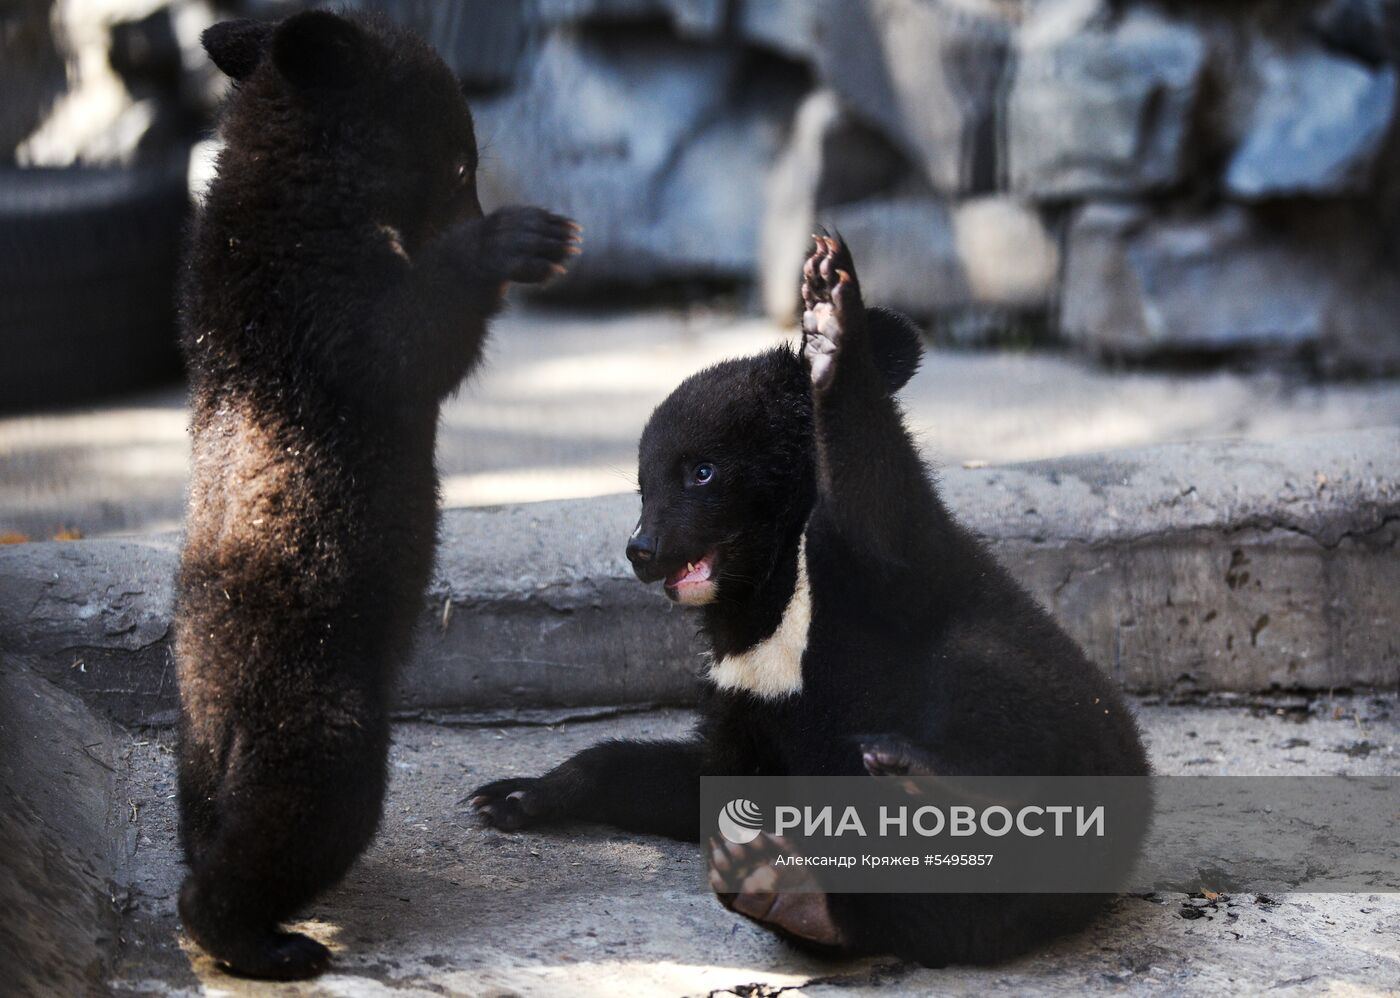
[(198, 792), (786, 900), (284, 833)]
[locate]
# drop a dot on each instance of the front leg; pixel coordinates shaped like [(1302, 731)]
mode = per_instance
[(870, 477), (432, 322), (651, 787)]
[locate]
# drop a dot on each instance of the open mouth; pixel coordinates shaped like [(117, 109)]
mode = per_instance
[(694, 582)]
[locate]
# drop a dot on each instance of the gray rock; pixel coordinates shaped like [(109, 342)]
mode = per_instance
[(31, 71), (65, 830), (918, 251), (796, 28), (645, 147), (693, 18), (928, 75), (948, 261), (1361, 28), (1137, 285), (1101, 110), (482, 40), (1009, 257), (1315, 128), (907, 253), (829, 159)]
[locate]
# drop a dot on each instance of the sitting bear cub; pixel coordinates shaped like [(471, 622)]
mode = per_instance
[(856, 628), (340, 276)]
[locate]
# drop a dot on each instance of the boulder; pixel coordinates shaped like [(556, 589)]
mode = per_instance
[(927, 74), (692, 18), (1364, 29), (1315, 126), (1009, 258), (907, 253), (965, 265), (32, 73), (482, 40), (829, 159), (795, 28), (1101, 107), (643, 144), (918, 251), (1137, 285)]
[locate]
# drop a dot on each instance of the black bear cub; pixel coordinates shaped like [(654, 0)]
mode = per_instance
[(339, 280), (856, 628)]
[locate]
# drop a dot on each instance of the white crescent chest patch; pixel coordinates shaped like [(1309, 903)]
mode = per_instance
[(772, 669)]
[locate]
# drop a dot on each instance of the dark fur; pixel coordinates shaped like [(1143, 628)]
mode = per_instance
[(339, 281), (918, 638)]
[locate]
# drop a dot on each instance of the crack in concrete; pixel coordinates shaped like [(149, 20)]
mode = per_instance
[(1260, 523)]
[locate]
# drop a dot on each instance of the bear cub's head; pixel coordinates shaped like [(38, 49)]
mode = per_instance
[(354, 107), (727, 469)]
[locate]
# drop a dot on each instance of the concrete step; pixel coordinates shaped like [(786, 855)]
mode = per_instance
[(1227, 565)]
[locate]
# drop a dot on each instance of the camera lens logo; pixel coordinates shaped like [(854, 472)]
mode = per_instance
[(740, 821)]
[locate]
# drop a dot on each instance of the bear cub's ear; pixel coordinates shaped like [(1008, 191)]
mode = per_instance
[(319, 49), (896, 343), (237, 46)]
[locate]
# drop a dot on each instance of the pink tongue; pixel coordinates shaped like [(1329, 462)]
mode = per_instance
[(698, 572)]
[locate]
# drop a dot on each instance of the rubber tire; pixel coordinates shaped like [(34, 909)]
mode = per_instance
[(88, 266)]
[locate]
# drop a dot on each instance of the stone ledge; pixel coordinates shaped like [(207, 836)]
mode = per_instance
[(1210, 566)]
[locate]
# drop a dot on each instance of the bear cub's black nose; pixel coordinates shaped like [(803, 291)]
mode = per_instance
[(641, 548)]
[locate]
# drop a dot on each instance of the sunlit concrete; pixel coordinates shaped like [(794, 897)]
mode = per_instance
[(556, 410), (440, 905)]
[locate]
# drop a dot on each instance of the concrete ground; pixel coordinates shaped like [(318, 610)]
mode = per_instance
[(557, 410), (441, 906)]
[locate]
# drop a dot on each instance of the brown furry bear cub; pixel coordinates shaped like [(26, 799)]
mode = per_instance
[(340, 277)]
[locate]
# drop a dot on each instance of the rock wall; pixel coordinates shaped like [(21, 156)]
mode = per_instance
[(1141, 179)]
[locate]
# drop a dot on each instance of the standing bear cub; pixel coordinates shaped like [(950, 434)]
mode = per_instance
[(340, 277), (855, 628)]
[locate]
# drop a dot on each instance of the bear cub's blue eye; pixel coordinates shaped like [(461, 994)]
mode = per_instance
[(703, 473)]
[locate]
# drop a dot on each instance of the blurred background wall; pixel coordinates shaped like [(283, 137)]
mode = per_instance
[(1121, 222), (1134, 179)]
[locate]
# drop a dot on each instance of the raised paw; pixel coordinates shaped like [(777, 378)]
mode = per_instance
[(528, 245), (832, 313), (508, 804), (787, 900)]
